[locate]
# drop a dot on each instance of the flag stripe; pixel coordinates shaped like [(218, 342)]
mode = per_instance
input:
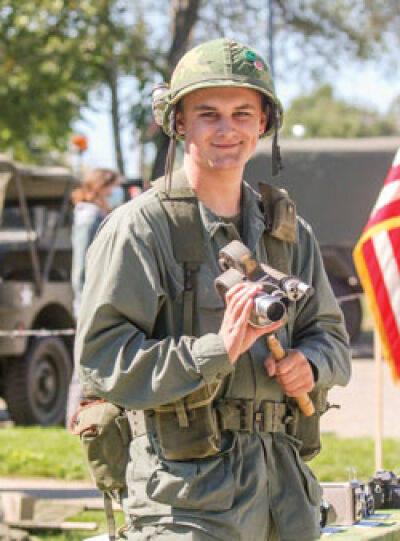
[(383, 213), (396, 161), (391, 223), (394, 236), (394, 174), (377, 259), (390, 279), (361, 255), (389, 194), (380, 304)]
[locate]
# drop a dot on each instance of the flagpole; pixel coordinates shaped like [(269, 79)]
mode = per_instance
[(379, 401)]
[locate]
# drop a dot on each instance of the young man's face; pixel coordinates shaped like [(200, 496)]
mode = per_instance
[(221, 126)]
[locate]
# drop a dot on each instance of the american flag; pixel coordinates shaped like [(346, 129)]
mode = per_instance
[(377, 259)]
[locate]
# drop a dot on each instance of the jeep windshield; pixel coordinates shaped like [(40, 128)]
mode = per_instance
[(35, 218)]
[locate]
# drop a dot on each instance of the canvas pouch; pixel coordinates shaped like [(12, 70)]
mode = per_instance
[(105, 434)]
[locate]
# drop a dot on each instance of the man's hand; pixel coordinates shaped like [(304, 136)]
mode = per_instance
[(293, 372), (238, 335)]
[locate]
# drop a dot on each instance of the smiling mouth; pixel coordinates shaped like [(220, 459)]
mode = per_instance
[(226, 146)]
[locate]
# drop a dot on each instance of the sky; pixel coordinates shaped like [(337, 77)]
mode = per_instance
[(362, 86)]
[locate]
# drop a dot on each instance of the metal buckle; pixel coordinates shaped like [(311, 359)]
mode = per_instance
[(272, 416), (259, 421), (246, 408)]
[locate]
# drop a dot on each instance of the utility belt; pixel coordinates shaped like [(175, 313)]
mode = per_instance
[(241, 415), (192, 427)]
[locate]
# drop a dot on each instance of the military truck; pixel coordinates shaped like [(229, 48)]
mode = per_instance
[(36, 318), (335, 183)]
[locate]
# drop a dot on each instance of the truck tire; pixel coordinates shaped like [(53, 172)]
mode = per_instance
[(351, 309), (37, 383)]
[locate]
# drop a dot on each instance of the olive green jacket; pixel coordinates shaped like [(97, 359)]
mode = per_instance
[(131, 351), (129, 344)]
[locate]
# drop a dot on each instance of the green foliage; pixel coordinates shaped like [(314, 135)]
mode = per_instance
[(40, 86), (359, 453), (41, 452), (323, 115), (53, 53)]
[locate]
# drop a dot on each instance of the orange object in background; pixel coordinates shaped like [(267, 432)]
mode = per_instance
[(79, 142)]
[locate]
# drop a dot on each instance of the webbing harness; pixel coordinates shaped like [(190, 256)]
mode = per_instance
[(181, 207)]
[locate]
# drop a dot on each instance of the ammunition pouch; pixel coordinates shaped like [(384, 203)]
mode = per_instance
[(188, 428), (105, 433), (191, 428), (307, 429)]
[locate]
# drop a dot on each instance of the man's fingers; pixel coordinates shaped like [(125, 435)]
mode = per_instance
[(238, 297), (298, 388), (294, 361), (238, 290)]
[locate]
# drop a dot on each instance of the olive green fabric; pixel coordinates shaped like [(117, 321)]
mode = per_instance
[(105, 435), (130, 351), (307, 428), (217, 63)]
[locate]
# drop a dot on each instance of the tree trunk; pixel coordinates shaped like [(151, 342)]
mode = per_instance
[(116, 124), (184, 15)]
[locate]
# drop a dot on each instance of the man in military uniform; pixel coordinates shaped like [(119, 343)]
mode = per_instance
[(217, 460)]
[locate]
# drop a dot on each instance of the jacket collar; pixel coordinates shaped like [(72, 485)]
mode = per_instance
[(253, 219)]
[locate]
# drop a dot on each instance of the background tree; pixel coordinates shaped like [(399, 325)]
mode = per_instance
[(323, 115), (314, 40), (52, 54), (41, 85), (57, 56)]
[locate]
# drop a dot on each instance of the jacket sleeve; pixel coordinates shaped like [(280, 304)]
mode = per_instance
[(318, 328), (124, 295)]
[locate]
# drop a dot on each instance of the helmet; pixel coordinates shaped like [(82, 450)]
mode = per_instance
[(221, 62)]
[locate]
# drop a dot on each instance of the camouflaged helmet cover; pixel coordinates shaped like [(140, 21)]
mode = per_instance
[(221, 62)]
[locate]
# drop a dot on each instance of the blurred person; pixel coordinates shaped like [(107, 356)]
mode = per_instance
[(99, 194)]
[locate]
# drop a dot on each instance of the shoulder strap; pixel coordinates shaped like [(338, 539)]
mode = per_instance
[(281, 225), (185, 226), (182, 209)]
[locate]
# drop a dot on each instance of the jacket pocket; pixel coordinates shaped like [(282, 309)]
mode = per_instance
[(204, 484), (311, 484)]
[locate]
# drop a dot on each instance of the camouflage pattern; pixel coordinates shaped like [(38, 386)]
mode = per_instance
[(221, 62)]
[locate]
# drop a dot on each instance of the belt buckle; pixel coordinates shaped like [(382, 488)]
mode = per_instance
[(273, 414), (246, 415), (259, 420)]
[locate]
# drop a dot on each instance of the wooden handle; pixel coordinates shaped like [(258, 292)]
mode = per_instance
[(303, 400)]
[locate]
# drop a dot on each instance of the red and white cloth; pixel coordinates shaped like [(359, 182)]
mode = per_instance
[(377, 259)]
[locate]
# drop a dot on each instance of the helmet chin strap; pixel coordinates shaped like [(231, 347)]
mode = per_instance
[(169, 162), (277, 165)]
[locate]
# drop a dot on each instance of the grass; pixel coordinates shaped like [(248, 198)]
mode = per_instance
[(41, 452), (56, 454), (357, 453)]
